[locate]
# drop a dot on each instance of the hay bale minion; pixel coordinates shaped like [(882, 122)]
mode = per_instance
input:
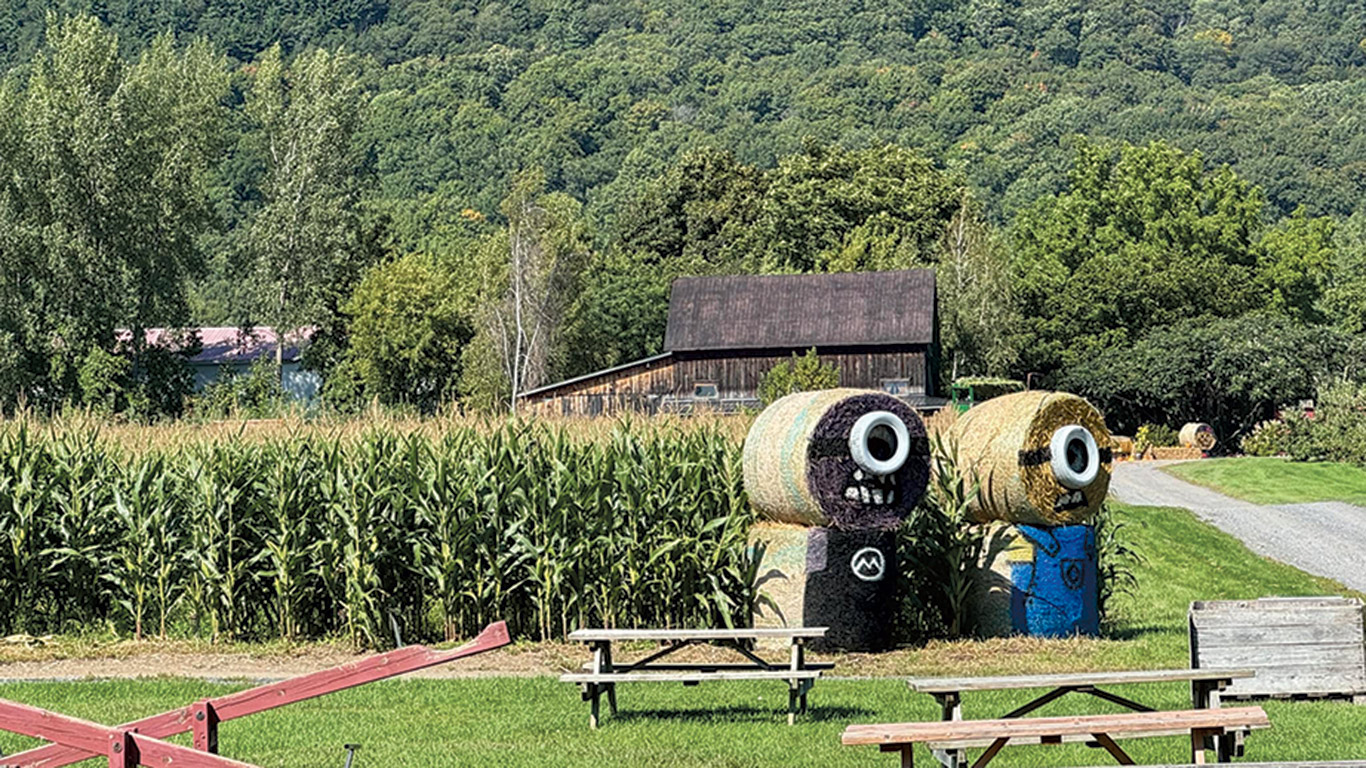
[(832, 474), (1043, 461)]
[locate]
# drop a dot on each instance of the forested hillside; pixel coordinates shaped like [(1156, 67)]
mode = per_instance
[(346, 152)]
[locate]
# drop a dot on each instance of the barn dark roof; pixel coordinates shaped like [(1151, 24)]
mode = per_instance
[(799, 311)]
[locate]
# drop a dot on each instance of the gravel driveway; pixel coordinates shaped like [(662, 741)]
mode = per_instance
[(1325, 538)]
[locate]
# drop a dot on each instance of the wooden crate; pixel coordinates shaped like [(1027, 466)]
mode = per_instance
[(1300, 647)]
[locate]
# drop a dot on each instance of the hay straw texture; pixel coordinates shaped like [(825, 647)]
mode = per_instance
[(1006, 441), (798, 468), (1197, 434)]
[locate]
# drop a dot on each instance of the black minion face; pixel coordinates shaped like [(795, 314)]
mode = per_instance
[(867, 462)]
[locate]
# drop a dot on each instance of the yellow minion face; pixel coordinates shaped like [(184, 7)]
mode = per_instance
[(1043, 458)]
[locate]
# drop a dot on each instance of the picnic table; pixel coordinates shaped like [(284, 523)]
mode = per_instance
[(1206, 686), (602, 674)]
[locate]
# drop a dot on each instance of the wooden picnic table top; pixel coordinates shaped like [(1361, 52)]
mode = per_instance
[(960, 684), (949, 731), (614, 635)]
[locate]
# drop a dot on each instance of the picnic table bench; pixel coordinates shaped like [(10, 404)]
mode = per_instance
[(602, 674), (1101, 730)]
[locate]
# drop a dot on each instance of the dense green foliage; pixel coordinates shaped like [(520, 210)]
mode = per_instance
[(1230, 373), (1080, 177)]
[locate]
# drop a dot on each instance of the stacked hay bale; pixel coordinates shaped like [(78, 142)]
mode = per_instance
[(833, 473), (1043, 460)]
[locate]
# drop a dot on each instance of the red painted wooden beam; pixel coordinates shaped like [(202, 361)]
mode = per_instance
[(123, 746), (270, 696)]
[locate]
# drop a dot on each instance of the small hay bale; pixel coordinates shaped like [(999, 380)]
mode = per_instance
[(1009, 441), (1197, 434), (1175, 453), (800, 465), (1121, 445)]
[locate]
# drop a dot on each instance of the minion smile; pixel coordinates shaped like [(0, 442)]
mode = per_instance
[(869, 489)]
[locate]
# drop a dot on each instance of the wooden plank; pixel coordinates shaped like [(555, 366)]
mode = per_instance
[(959, 684), (945, 732), (617, 635), (1277, 603), (1299, 634), (1071, 738), (691, 677)]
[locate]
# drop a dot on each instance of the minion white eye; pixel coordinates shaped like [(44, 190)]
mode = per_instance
[(879, 442), (1075, 457)]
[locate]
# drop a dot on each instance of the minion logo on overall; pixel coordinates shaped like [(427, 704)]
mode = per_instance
[(833, 473), (869, 564)]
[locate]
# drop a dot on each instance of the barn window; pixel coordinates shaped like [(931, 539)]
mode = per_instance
[(704, 390), (896, 386)]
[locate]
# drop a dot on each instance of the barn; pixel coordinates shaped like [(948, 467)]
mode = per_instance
[(724, 333)]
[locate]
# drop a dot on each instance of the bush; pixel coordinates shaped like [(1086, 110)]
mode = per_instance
[(985, 388), (1154, 436), (802, 374), (257, 394), (1269, 438), (1337, 430)]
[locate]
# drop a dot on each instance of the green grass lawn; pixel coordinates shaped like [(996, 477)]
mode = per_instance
[(539, 721), (1276, 481)]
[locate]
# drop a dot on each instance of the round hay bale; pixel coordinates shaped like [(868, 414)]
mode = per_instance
[(1198, 434), (1121, 445), (850, 459), (1043, 458)]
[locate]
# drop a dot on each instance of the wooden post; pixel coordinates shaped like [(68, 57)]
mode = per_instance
[(611, 687), (1198, 746), (907, 757), (600, 649), (204, 725)]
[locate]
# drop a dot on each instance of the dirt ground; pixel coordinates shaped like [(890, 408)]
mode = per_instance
[(58, 659)]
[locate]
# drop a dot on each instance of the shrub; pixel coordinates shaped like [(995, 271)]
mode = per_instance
[(802, 374), (1269, 438), (985, 388), (1115, 562), (1154, 436)]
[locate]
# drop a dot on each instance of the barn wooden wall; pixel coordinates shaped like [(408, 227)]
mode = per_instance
[(668, 384)]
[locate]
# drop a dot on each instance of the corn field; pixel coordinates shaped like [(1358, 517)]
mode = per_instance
[(429, 534)]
